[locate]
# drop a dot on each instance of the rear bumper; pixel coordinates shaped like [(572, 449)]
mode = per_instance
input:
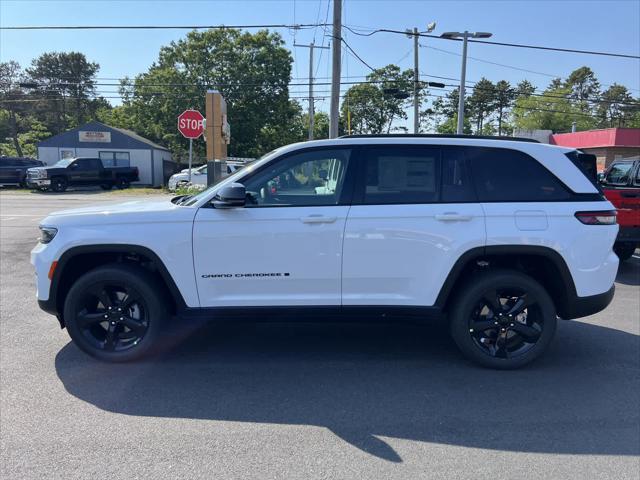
[(584, 306), (628, 234)]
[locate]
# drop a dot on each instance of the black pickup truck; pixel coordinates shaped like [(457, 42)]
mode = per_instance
[(80, 171)]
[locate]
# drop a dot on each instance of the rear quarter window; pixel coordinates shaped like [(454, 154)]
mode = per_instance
[(505, 175)]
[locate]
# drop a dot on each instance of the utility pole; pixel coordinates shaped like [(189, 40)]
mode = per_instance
[(312, 113), (463, 83), (463, 74), (416, 84), (334, 113), (416, 74)]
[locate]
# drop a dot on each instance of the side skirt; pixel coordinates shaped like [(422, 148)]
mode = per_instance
[(350, 313)]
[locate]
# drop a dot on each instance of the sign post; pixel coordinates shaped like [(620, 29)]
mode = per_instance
[(191, 125)]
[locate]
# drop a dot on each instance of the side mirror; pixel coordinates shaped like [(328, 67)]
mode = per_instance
[(601, 177), (230, 196)]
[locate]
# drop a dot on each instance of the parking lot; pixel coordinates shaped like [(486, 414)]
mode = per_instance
[(274, 400)]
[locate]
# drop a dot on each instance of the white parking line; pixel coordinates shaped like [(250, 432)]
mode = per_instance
[(20, 215)]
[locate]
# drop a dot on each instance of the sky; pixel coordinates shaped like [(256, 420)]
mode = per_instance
[(609, 26)]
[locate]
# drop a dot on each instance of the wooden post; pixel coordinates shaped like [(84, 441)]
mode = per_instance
[(216, 115)]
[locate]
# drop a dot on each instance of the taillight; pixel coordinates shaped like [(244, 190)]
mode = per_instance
[(607, 217)]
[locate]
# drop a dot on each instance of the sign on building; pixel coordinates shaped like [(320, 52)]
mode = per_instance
[(96, 137)]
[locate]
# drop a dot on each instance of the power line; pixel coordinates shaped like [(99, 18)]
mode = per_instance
[(356, 55), (505, 65), (503, 44), (471, 85), (161, 27)]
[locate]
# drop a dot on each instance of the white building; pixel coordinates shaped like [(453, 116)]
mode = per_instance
[(115, 146)]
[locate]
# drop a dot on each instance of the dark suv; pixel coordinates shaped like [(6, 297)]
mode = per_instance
[(13, 170)]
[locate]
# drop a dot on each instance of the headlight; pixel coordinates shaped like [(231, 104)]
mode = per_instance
[(47, 234)]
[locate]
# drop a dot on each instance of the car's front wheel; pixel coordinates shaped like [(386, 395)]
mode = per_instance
[(503, 319), (58, 184), (116, 313)]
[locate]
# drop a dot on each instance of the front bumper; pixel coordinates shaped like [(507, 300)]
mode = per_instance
[(38, 183)]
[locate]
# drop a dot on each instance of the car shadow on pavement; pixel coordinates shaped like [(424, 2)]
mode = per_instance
[(366, 382)]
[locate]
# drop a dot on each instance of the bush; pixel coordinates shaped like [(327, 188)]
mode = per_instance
[(190, 189)]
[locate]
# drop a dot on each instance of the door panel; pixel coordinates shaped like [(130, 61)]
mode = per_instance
[(402, 254), (269, 256), (417, 215), (285, 246), (10, 171)]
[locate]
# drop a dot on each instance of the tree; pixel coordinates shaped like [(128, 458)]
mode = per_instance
[(583, 85), (617, 107), (505, 95), (525, 89), (553, 110), (373, 106), (65, 84), (11, 100), (445, 112), (252, 71), (482, 102)]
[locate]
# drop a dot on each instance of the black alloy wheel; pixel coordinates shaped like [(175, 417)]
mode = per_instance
[(113, 317), (116, 312), (503, 319), (506, 323)]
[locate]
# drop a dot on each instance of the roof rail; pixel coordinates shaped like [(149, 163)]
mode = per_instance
[(437, 135)]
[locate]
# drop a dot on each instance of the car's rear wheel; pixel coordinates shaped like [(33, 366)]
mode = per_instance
[(122, 183), (624, 250), (58, 184), (106, 186), (116, 313), (503, 319)]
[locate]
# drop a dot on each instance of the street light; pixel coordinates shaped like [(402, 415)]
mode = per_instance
[(465, 36)]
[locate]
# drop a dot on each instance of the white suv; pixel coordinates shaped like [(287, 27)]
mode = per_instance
[(498, 237)]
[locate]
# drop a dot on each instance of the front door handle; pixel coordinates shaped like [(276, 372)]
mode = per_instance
[(318, 219), (453, 217)]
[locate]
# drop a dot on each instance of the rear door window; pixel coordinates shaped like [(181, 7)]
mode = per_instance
[(505, 175), (456, 177), (400, 174)]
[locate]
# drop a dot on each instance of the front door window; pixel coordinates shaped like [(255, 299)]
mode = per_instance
[(312, 178)]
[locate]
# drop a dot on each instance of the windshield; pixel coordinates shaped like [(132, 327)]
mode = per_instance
[(64, 163), (230, 179)]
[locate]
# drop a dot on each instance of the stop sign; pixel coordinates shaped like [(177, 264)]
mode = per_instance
[(191, 123)]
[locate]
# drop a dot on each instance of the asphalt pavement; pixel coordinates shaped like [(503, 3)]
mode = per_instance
[(305, 401)]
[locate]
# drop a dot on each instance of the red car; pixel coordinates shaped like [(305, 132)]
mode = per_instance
[(621, 186)]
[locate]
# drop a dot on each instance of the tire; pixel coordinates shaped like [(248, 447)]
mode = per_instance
[(483, 330), (122, 183), (624, 250), (106, 186), (97, 326), (58, 184)]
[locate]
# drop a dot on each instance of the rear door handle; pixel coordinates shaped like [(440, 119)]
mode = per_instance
[(453, 217), (318, 219)]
